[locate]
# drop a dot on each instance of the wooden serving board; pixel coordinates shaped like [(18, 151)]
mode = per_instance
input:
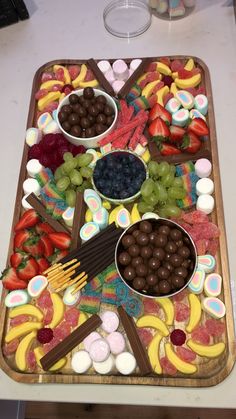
[(210, 371)]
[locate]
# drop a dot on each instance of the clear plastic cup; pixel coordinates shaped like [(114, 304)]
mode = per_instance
[(172, 9)]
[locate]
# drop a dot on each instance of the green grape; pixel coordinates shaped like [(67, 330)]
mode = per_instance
[(161, 192), (76, 177), (172, 169), (63, 183), (153, 168), (162, 212), (86, 172), (147, 187), (86, 184), (84, 160), (171, 201), (152, 199), (167, 180), (144, 207), (173, 211), (58, 173), (176, 193), (177, 182), (164, 168), (67, 156), (70, 197), (69, 165)]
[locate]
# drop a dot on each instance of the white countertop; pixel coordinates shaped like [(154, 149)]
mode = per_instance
[(74, 29)]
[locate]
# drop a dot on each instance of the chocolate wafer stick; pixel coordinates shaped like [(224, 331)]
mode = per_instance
[(40, 209), (135, 342), (78, 221), (133, 78), (70, 342), (100, 77)]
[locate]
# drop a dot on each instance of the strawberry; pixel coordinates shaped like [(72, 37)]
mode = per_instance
[(58, 255), (44, 228), (168, 149), (28, 219), (34, 246), (159, 111), (28, 269), (20, 238), (43, 264), (191, 143), (176, 133), (48, 247), (199, 127), (11, 281), (17, 257), (159, 130), (60, 240)]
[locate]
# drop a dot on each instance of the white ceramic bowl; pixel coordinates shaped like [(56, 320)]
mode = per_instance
[(91, 142)]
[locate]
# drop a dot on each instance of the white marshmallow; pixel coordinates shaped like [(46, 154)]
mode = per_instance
[(134, 64), (125, 363), (104, 66), (25, 203), (203, 168), (205, 203), (117, 85), (33, 167), (110, 76), (104, 367), (31, 185), (120, 69), (81, 362), (204, 186)]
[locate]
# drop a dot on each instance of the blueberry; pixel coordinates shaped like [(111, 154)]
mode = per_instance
[(124, 194)]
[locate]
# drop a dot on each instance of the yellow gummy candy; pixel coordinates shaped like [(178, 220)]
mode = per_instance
[(66, 73), (50, 83), (88, 216), (80, 77), (91, 83), (50, 97)]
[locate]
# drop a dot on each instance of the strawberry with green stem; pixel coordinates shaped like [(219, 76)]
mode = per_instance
[(28, 269), (191, 143), (158, 130), (29, 219), (11, 281)]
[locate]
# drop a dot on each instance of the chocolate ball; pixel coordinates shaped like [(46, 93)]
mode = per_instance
[(81, 100), (134, 250), (90, 132), (82, 111), (156, 289), (124, 258), (146, 252), (73, 119), (141, 270), (76, 107), (138, 283), (186, 263), (91, 119), (100, 107), (136, 261), (110, 120), (164, 287), (101, 99), (101, 119), (161, 240), (86, 104), (136, 233), (129, 273), (132, 229), (75, 131), (168, 266), (66, 126), (176, 260), (164, 230), (88, 93), (179, 243), (145, 227), (67, 109), (73, 99), (152, 237), (142, 239), (62, 116), (170, 247), (186, 240), (154, 263), (175, 234), (184, 252), (159, 253), (177, 281), (84, 122), (181, 271), (127, 240), (108, 110), (152, 280), (92, 110), (100, 128), (163, 273)]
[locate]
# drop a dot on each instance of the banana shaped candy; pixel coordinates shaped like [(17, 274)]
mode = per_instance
[(153, 353), (154, 322), (58, 310), (210, 351), (168, 307), (180, 365), (27, 309), (195, 312)]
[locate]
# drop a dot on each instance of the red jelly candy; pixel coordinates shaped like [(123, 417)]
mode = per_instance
[(166, 61), (44, 300), (145, 336), (30, 361), (200, 335), (22, 318), (201, 246), (46, 76), (49, 346), (57, 88), (150, 306), (62, 331), (215, 327), (72, 316), (89, 75), (51, 107), (41, 93), (35, 152), (182, 312), (195, 217), (213, 246), (10, 348), (185, 354), (210, 230), (48, 316), (180, 296), (178, 337), (167, 80), (176, 65), (67, 89), (74, 71), (167, 367), (45, 335), (167, 97), (59, 74)]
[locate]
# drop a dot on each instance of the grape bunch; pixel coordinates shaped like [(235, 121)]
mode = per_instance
[(161, 190), (74, 175)]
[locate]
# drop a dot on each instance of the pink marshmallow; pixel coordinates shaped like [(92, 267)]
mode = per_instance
[(99, 350), (116, 342), (117, 85), (90, 339), (110, 321)]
